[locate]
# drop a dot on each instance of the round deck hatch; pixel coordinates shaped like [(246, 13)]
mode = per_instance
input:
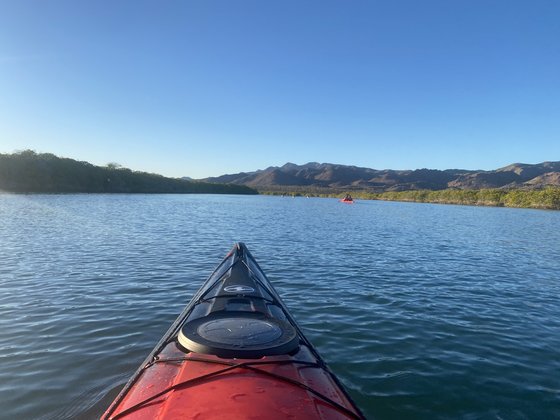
[(239, 330), (239, 335)]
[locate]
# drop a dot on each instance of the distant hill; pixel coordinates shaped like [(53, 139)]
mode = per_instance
[(315, 175), (46, 173)]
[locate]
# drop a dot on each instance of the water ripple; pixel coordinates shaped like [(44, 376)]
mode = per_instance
[(421, 310)]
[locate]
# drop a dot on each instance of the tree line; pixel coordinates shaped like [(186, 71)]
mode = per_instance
[(546, 198), (31, 172)]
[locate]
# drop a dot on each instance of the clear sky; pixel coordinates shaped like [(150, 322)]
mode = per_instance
[(206, 87)]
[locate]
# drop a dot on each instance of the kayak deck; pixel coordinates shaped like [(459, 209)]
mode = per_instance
[(235, 352)]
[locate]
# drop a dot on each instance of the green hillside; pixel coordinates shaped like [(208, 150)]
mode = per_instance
[(28, 171)]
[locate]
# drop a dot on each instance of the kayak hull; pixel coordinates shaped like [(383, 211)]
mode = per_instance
[(275, 375)]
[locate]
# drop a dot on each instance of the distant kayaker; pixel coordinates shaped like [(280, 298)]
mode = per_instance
[(348, 198)]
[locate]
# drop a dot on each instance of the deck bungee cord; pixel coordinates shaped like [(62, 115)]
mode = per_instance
[(231, 366)]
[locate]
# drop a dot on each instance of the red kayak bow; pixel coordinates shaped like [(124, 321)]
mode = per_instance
[(235, 352)]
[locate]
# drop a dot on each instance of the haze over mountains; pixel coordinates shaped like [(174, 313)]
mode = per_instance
[(333, 176)]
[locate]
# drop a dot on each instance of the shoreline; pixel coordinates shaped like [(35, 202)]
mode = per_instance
[(543, 199)]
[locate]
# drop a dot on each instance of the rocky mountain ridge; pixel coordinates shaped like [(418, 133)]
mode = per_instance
[(334, 176)]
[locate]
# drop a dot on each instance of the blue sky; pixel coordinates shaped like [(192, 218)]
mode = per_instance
[(206, 87)]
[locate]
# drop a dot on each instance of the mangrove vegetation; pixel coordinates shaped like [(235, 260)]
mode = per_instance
[(546, 198)]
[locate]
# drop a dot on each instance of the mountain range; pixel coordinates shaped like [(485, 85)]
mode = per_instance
[(331, 176)]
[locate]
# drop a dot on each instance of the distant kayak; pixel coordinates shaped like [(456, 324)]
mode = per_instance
[(347, 199), (235, 352)]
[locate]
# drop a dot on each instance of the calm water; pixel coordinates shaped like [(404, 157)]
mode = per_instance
[(423, 311)]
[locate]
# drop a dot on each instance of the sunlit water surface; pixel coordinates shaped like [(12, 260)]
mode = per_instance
[(423, 311)]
